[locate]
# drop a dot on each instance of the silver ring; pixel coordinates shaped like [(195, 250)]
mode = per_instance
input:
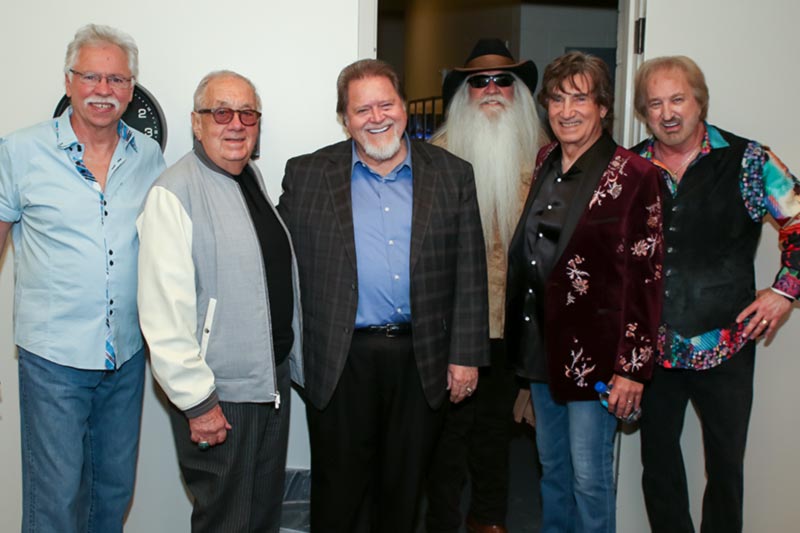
[(203, 445), (764, 322), (470, 390), (630, 401)]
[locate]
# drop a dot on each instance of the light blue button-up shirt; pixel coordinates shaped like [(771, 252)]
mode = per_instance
[(75, 247), (382, 208)]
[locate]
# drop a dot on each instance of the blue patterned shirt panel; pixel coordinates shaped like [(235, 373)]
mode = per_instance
[(75, 245), (382, 212)]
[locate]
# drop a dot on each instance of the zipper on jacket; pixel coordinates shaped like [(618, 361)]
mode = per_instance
[(277, 396)]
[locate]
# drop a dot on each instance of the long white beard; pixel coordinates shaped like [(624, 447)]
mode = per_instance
[(500, 144)]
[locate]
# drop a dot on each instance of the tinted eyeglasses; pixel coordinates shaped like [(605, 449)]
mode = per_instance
[(482, 80), (224, 115)]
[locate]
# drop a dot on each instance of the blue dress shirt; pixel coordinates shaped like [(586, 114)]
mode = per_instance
[(75, 246), (382, 208)]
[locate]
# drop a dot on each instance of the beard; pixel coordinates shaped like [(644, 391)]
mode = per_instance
[(385, 151), (501, 142)]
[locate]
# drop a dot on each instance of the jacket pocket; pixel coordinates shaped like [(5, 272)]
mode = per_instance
[(207, 327)]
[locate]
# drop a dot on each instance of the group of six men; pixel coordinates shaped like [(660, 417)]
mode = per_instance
[(392, 275)]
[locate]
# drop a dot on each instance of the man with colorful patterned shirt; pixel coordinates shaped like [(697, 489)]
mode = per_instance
[(70, 189), (712, 313)]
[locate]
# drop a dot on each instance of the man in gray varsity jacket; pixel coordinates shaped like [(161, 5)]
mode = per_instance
[(220, 310)]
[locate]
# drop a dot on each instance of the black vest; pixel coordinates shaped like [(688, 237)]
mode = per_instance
[(710, 243)]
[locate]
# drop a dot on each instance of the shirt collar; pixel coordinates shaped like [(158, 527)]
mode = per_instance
[(66, 138), (404, 163), (598, 154), (712, 139)]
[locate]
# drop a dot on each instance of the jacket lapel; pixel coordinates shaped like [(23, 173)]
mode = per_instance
[(339, 176), (586, 187), (424, 183)]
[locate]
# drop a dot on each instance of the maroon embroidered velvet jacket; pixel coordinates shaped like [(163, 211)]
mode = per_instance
[(602, 299)]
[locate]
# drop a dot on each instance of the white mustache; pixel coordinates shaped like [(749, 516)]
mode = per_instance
[(499, 98), (103, 100)]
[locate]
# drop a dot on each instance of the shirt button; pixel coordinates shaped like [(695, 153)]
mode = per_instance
[(111, 302), (533, 262), (391, 242), (666, 292), (396, 276), (540, 235), (111, 252), (550, 206), (111, 263), (352, 286), (674, 208), (346, 329), (386, 209), (399, 310), (111, 312), (527, 318), (673, 228), (530, 291), (670, 249), (105, 203), (558, 180), (105, 213)]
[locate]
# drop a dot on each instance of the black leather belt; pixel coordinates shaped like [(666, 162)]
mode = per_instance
[(387, 330)]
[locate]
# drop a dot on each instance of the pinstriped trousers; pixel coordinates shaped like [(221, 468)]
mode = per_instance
[(237, 486)]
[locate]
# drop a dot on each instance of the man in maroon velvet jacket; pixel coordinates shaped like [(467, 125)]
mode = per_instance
[(584, 292)]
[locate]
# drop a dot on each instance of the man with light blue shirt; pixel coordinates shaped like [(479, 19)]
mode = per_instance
[(70, 189)]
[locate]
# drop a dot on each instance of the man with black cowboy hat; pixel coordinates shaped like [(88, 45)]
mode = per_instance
[(492, 123)]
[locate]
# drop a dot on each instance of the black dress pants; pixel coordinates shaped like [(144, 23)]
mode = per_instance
[(372, 444), (475, 439), (237, 486), (722, 396)]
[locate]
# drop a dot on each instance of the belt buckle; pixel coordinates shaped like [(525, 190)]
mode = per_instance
[(392, 331)]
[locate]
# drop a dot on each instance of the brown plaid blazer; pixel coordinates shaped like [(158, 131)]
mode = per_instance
[(448, 265)]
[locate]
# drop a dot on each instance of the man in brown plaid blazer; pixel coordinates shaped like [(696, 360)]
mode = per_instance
[(393, 283)]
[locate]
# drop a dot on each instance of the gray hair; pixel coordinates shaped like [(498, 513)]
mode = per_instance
[(200, 92), (96, 35)]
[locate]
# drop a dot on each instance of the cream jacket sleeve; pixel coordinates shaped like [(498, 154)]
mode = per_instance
[(168, 301)]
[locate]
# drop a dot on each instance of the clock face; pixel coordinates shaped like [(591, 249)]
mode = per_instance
[(143, 114)]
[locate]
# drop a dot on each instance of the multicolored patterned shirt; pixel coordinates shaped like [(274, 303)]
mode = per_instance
[(768, 188)]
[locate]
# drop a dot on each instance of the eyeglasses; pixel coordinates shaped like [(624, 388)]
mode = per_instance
[(224, 115), (482, 80), (92, 79)]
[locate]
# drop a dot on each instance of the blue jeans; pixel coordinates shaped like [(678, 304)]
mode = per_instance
[(80, 437), (576, 449)]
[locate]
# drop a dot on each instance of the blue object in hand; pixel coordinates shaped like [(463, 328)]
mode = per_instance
[(602, 391)]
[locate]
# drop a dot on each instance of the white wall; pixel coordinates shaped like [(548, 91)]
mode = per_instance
[(547, 30), (748, 53), (292, 51)]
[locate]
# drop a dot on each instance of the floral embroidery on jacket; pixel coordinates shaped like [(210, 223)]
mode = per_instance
[(580, 283), (579, 367), (609, 186), (640, 354)]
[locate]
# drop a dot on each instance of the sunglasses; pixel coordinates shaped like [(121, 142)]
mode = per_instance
[(224, 115), (482, 80)]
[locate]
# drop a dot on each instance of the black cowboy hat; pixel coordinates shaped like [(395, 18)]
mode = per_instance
[(488, 54)]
